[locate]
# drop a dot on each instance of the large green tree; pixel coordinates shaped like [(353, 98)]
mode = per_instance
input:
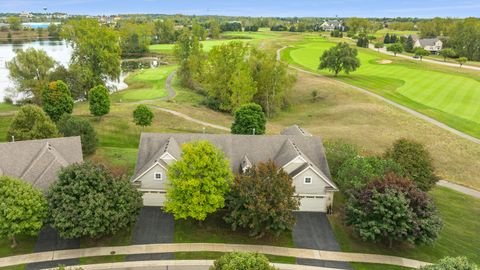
[(447, 53), (164, 31), (190, 56), (340, 58), (15, 23), (243, 261), (96, 48), (23, 209), (30, 70), (99, 101), (135, 38), (198, 182), (88, 201), (465, 37), (57, 100), (142, 116), (262, 201), (421, 52), (393, 210), (31, 123), (75, 126), (249, 119), (395, 48), (416, 162), (338, 153), (452, 263), (242, 85)]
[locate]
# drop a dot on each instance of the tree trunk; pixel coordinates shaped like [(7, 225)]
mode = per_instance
[(14, 241), (390, 243)]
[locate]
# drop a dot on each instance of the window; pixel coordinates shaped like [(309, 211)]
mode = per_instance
[(307, 180), (157, 176)]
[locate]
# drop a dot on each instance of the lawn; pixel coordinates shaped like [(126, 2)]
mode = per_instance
[(215, 230), (447, 94), (4, 107), (384, 31), (459, 236), (145, 84)]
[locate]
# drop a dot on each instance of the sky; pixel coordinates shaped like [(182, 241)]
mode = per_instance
[(270, 8)]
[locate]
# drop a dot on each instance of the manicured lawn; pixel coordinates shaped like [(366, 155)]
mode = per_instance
[(145, 84), (448, 94), (4, 107), (215, 230), (459, 236), (384, 31), (5, 122)]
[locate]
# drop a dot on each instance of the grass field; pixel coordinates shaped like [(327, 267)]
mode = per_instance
[(447, 94), (384, 31), (145, 84)]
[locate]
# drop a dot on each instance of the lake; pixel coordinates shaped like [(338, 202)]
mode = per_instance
[(60, 51)]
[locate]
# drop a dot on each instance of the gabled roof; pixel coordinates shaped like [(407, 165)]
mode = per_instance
[(428, 41), (38, 161), (295, 130)]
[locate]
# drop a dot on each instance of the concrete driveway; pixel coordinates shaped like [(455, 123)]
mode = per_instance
[(153, 227), (48, 240), (313, 231)]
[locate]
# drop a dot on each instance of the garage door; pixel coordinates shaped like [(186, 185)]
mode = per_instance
[(313, 204), (153, 198)]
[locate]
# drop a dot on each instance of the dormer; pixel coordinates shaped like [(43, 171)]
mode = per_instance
[(171, 151), (245, 164)]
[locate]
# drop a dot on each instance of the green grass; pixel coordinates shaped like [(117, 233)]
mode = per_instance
[(4, 107), (384, 31), (5, 122), (145, 84), (459, 236), (369, 266), (215, 230), (447, 94)]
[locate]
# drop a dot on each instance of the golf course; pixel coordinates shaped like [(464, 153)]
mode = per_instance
[(448, 94)]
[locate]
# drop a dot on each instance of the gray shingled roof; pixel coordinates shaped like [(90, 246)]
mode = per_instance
[(428, 41), (38, 161), (280, 148), (295, 130)]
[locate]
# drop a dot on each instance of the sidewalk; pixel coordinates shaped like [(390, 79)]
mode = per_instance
[(459, 188), (196, 247)]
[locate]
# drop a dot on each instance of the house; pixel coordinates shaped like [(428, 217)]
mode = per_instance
[(296, 151), (331, 25), (433, 45), (38, 161)]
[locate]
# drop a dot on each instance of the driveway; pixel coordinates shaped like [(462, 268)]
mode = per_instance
[(48, 240), (153, 227), (313, 231)]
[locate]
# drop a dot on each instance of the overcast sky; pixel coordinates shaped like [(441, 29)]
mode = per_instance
[(283, 8)]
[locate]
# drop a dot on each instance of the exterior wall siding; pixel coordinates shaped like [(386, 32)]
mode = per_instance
[(316, 187), (148, 181)]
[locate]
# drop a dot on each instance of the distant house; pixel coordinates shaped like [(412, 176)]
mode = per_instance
[(296, 151), (38, 161), (433, 45), (331, 25)]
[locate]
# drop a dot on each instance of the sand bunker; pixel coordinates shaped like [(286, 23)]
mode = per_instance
[(385, 61)]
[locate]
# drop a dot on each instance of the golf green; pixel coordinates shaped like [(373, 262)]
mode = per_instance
[(450, 96)]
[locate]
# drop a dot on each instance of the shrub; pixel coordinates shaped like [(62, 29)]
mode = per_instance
[(142, 116), (416, 162), (31, 123), (242, 261), (248, 118), (452, 263), (57, 100), (99, 100), (88, 201), (391, 210), (23, 208), (261, 201), (338, 152), (75, 126)]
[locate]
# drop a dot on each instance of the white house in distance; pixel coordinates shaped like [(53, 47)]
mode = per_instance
[(331, 25), (297, 152), (433, 45)]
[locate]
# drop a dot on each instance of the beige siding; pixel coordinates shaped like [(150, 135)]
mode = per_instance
[(148, 181), (316, 187)]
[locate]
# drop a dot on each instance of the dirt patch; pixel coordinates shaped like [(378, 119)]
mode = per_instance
[(384, 62)]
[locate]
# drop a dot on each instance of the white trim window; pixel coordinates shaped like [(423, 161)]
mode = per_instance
[(307, 180), (157, 176)]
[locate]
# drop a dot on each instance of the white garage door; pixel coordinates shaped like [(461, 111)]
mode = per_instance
[(313, 203), (153, 198)]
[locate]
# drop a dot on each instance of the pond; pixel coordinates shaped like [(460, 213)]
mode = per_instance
[(59, 50)]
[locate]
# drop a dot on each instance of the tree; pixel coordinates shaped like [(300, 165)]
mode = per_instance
[(54, 30), (337, 153), (340, 58), (57, 100), (15, 23), (357, 25), (96, 49), (31, 123), (395, 48), (243, 261), (415, 160), (336, 33), (421, 52), (30, 71), (215, 29), (164, 31), (243, 86), (142, 116), (87, 200), (135, 38), (462, 60), (99, 101), (262, 201), (24, 209), (465, 37), (198, 182), (447, 53), (386, 39), (249, 119), (409, 43), (362, 41), (75, 126), (391, 210), (452, 263), (379, 45), (357, 172), (199, 32), (188, 52)]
